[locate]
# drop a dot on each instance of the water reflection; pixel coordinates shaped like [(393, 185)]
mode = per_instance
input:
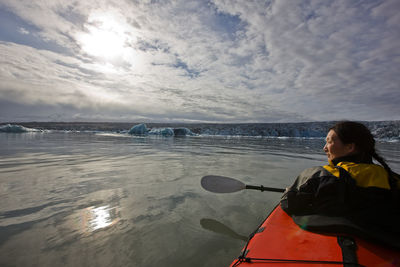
[(220, 228), (95, 218)]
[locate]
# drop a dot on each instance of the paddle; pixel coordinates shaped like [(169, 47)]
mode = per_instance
[(222, 184)]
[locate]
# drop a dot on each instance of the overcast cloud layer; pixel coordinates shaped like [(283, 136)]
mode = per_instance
[(191, 61)]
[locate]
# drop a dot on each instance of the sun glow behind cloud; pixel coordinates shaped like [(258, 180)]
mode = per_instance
[(107, 38)]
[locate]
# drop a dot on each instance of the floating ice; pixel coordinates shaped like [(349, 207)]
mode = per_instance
[(12, 128), (162, 131), (139, 129), (182, 132)]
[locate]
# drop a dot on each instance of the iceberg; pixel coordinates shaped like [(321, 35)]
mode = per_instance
[(162, 131), (139, 129), (12, 128), (183, 132)]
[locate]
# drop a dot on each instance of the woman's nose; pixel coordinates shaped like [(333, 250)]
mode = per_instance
[(325, 148)]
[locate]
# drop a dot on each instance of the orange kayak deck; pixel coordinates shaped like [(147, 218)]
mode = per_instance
[(279, 241)]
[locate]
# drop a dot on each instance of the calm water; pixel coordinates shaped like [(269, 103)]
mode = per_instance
[(85, 199)]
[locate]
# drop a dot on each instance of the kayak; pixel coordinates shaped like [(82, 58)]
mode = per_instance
[(279, 241)]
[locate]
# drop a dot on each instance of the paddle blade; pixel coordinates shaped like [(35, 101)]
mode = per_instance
[(221, 184)]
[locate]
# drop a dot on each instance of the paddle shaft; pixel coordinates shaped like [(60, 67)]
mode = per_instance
[(222, 184), (263, 188)]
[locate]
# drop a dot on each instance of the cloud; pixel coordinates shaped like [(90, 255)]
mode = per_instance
[(318, 50), (225, 61), (22, 30)]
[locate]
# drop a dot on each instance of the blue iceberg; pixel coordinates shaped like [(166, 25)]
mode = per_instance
[(183, 132), (162, 131), (12, 128), (139, 129)]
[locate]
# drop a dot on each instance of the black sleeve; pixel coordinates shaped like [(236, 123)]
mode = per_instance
[(322, 193), (300, 202)]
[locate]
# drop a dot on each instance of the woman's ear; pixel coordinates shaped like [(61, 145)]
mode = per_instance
[(351, 148)]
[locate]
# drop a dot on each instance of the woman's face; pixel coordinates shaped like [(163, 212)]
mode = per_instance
[(334, 147)]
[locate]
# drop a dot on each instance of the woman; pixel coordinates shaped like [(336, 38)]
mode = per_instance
[(351, 194)]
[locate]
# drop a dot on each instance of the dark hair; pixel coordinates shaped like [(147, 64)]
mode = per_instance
[(357, 133)]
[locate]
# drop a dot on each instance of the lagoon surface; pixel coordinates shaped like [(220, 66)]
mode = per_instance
[(107, 199)]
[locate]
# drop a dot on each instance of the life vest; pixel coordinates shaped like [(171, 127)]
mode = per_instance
[(365, 175)]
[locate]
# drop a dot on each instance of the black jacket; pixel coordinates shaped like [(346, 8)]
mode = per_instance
[(347, 197)]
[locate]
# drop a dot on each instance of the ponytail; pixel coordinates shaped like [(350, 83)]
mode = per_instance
[(391, 178)]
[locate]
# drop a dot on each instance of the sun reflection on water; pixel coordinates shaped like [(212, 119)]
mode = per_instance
[(95, 218)]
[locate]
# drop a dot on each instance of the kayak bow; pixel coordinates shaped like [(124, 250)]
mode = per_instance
[(279, 241)]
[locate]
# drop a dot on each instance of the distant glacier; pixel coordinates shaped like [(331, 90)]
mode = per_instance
[(383, 130)]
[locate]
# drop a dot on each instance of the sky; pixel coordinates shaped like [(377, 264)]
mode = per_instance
[(199, 61)]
